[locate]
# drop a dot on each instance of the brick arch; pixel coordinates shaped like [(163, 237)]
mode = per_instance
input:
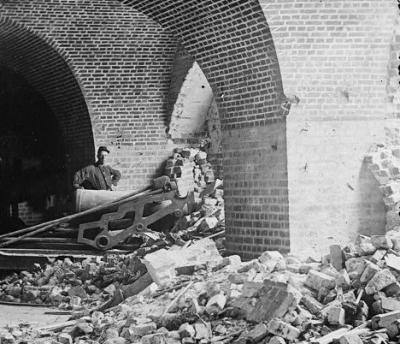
[(44, 66), (232, 43), (234, 47)]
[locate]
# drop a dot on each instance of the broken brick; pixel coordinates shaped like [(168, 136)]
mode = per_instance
[(390, 304), (350, 339), (63, 338), (311, 304), (355, 267), (381, 279), (275, 299), (186, 330), (155, 338), (364, 245), (258, 333), (336, 315), (203, 331), (370, 270), (277, 340), (381, 241), (384, 320), (282, 329), (378, 256), (393, 261), (317, 280), (336, 257)]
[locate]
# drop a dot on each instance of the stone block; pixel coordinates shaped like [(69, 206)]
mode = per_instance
[(381, 242), (305, 268), (161, 266), (336, 316), (378, 256), (274, 300), (350, 339), (390, 304), (203, 331), (277, 340), (186, 330), (272, 260), (155, 338), (311, 304), (336, 257), (381, 279), (234, 261), (317, 280), (370, 270), (188, 340), (282, 329), (393, 261), (258, 333), (208, 223), (116, 340), (355, 267), (384, 320), (343, 280), (64, 338), (216, 303), (364, 245), (140, 330)]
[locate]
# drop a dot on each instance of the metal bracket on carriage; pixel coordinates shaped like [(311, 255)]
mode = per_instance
[(133, 218)]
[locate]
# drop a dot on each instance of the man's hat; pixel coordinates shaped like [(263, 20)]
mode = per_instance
[(102, 149)]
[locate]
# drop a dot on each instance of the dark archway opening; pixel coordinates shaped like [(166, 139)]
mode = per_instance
[(48, 127), (33, 172)]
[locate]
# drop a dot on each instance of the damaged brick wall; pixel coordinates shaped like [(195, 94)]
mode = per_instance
[(122, 62), (194, 118), (190, 110), (233, 45), (383, 161), (334, 58)]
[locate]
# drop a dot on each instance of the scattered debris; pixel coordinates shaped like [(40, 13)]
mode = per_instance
[(185, 291)]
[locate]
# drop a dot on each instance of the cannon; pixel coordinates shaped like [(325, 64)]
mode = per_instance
[(106, 219)]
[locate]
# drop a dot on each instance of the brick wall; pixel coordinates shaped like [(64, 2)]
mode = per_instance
[(335, 64), (255, 190), (29, 215), (34, 58), (121, 60), (232, 43)]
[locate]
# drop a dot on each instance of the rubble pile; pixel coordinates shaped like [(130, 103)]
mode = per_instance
[(191, 171), (196, 296), (72, 285), (189, 168), (86, 284)]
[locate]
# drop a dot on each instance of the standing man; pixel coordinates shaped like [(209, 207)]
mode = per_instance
[(98, 176)]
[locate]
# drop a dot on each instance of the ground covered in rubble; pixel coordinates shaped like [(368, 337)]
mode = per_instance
[(181, 287), (190, 294)]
